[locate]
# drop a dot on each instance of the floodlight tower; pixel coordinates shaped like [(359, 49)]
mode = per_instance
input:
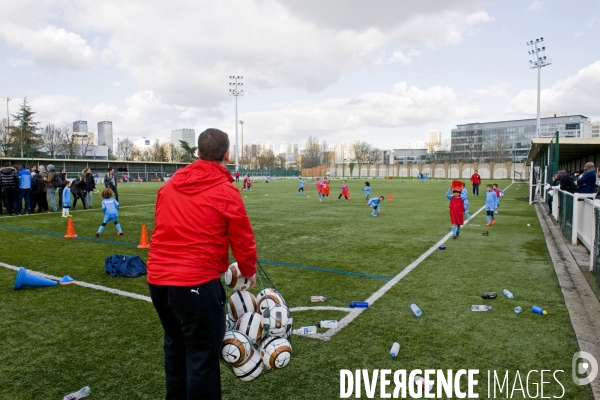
[(9, 98), (538, 62), (234, 90)]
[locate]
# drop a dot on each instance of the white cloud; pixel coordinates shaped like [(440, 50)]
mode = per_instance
[(399, 57), (493, 91), (577, 94), (272, 43), (404, 106), (536, 5), (50, 46), (19, 62)]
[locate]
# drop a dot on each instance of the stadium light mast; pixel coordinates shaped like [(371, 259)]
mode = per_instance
[(242, 125), (9, 98), (538, 62), (234, 90)]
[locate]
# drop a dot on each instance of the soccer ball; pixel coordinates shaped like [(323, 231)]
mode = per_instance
[(268, 298), (251, 325), (234, 278), (251, 368), (229, 322), (235, 348), (241, 303), (277, 320), (327, 173), (275, 352)]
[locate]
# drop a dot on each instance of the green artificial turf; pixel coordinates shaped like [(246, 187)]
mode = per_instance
[(59, 339)]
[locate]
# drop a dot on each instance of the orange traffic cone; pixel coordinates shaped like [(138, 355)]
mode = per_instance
[(70, 229), (144, 244), (390, 197)]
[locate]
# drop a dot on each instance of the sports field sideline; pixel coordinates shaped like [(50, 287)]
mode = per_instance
[(60, 339)]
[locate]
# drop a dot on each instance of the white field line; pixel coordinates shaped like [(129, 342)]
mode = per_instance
[(146, 298), (385, 288), (74, 211), (84, 284)]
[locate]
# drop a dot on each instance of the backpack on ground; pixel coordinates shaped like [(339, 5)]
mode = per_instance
[(58, 180)]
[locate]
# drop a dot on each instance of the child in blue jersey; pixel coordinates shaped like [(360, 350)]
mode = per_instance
[(301, 188), (110, 207), (463, 195), (367, 190), (66, 200), (491, 201), (375, 203)]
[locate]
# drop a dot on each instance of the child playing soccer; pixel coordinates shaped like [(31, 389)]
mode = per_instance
[(367, 190), (463, 196), (499, 193), (457, 207), (375, 203), (66, 200), (325, 189), (318, 187), (110, 207), (301, 188), (491, 202), (345, 192)]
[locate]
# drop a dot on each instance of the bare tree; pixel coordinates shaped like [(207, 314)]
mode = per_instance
[(312, 153), (375, 156), (54, 141), (124, 149), (280, 161), (266, 159)]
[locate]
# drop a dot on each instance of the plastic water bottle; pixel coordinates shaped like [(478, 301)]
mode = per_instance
[(416, 310), (305, 330), (518, 310), (508, 294), (316, 299), (480, 308), (358, 304), (539, 310), (80, 394), (395, 349), (330, 323)]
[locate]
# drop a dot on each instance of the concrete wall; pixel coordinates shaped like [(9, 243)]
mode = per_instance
[(439, 171)]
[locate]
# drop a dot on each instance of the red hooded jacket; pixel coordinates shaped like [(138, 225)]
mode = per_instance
[(199, 214)]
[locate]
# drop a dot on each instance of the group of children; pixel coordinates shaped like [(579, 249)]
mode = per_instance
[(322, 186), (110, 208), (459, 205)]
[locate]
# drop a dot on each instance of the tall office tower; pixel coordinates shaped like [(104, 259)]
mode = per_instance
[(186, 134), (105, 134), (80, 126)]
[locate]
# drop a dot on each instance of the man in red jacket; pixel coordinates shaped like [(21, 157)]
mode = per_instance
[(199, 214), (476, 181)]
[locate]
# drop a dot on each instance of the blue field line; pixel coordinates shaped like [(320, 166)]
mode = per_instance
[(333, 271), (95, 240)]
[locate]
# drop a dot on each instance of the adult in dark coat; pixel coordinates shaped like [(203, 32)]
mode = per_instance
[(37, 192), (10, 182), (78, 190), (90, 186), (110, 181)]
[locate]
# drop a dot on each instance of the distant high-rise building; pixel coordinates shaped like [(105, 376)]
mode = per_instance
[(105, 134), (80, 126), (595, 129), (186, 134), (288, 148), (434, 141)]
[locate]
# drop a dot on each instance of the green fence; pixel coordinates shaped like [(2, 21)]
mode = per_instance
[(565, 213), (279, 173)]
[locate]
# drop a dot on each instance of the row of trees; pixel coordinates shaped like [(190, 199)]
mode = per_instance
[(165, 152)]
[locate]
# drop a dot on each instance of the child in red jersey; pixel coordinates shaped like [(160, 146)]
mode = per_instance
[(345, 192), (457, 207)]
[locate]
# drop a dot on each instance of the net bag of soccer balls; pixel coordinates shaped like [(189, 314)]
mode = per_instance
[(258, 328)]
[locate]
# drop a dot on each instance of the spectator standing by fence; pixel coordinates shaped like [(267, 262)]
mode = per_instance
[(586, 182), (110, 181), (91, 186), (24, 192), (10, 181)]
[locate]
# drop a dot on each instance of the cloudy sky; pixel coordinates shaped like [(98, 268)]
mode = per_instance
[(381, 71)]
